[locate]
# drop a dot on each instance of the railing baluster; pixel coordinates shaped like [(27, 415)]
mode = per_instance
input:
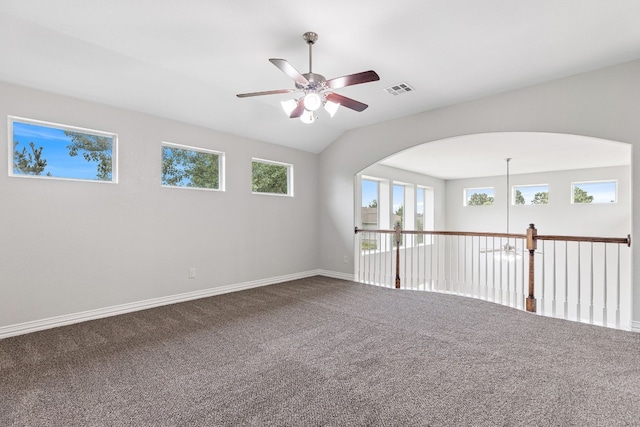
[(493, 274), (579, 314), (618, 291), (555, 289), (591, 284), (486, 270), (604, 296), (566, 280), (543, 284), (522, 281), (437, 276)]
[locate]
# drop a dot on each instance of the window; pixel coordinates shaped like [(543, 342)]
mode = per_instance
[(190, 167), (370, 197), (594, 192), (384, 203), (398, 205), (424, 211), (272, 177), (478, 196), (398, 210), (530, 195), (420, 211), (48, 150), (369, 211)]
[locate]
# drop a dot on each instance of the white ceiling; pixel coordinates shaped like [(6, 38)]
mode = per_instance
[(485, 154), (187, 60)]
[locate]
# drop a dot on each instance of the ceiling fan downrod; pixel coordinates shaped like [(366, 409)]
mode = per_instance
[(310, 37)]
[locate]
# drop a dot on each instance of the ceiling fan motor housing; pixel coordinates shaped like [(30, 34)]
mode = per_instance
[(316, 82), (310, 37)]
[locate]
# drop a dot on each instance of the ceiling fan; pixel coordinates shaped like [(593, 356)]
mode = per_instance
[(316, 90)]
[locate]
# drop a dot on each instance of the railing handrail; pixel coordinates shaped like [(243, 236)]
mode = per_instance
[(444, 233), (619, 240)]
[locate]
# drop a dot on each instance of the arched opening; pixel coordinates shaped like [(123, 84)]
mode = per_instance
[(565, 184)]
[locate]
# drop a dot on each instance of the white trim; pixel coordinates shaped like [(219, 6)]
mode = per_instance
[(114, 148), (337, 275), (289, 167), (634, 326), (599, 181), (221, 165), (68, 319)]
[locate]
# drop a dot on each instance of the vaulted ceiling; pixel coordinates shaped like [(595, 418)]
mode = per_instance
[(188, 60)]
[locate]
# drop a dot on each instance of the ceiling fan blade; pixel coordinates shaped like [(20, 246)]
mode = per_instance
[(352, 79), (289, 71), (266, 92), (297, 112), (346, 102), (486, 250)]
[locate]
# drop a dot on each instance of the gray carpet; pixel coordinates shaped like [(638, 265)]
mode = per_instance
[(321, 351)]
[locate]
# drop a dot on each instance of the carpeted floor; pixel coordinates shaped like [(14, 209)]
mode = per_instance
[(322, 351)]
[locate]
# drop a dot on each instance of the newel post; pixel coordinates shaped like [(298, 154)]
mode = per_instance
[(398, 235), (532, 245)]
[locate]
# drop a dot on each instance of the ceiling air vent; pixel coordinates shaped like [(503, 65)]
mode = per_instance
[(398, 89)]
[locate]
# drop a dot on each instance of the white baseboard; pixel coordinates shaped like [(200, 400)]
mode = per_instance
[(68, 319), (337, 275)]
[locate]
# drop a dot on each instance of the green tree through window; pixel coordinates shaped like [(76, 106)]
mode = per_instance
[(581, 196), (94, 148), (60, 151), (519, 198), (29, 163), (479, 199), (541, 198), (183, 167), (270, 178)]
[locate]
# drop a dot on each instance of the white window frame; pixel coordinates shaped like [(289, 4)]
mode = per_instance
[(289, 167), (468, 192), (221, 166), (428, 196), (385, 206), (114, 149), (378, 182), (407, 199), (601, 181)]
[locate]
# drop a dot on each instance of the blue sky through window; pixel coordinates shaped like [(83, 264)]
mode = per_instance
[(602, 191), (398, 197), (369, 192), (529, 192), (54, 144), (489, 191)]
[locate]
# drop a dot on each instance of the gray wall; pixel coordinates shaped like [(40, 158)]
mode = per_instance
[(602, 104), (69, 247), (558, 217)]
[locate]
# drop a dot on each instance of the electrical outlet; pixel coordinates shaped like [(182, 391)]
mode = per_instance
[(192, 273)]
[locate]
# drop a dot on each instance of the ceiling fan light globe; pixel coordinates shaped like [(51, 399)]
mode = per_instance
[(312, 101), (331, 107), (507, 255), (307, 117), (288, 106)]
